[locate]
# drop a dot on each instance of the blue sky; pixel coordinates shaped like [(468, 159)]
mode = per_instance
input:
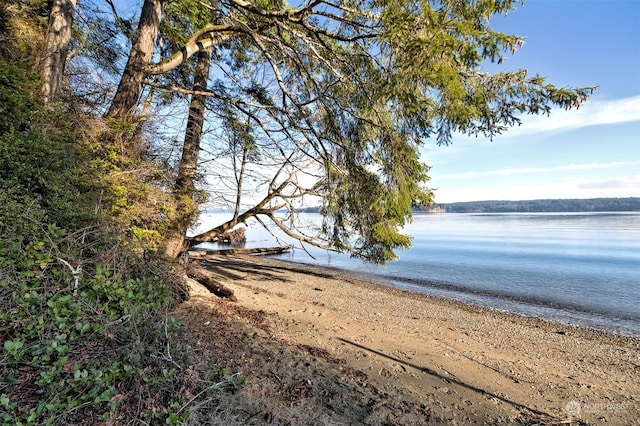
[(586, 153)]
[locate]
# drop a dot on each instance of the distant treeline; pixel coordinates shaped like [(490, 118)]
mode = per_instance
[(539, 206)]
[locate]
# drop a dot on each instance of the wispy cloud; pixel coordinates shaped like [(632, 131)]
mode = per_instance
[(532, 170), (621, 183), (592, 113)]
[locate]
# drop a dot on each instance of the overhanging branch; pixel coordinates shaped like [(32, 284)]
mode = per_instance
[(209, 36), (205, 93)]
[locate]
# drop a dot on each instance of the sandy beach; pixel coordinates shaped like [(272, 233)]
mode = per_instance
[(363, 353)]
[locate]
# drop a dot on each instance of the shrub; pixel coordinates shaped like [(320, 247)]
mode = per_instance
[(85, 335)]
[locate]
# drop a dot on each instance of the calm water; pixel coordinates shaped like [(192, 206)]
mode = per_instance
[(581, 269)]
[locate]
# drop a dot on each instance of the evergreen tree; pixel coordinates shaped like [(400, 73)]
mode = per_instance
[(356, 87)]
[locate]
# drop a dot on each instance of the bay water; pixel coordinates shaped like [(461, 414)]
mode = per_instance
[(575, 268)]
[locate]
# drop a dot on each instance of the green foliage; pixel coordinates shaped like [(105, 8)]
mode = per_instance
[(22, 24), (269, 4), (46, 326), (437, 55), (50, 334), (15, 104), (42, 186), (132, 199), (182, 19), (84, 327), (431, 87)]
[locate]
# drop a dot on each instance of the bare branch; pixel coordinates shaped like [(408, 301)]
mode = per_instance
[(300, 237), (204, 93)]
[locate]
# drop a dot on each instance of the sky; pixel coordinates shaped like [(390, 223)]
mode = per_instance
[(586, 153)]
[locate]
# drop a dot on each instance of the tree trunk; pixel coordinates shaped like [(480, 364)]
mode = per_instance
[(185, 186), (199, 273), (239, 181), (185, 182), (56, 47), (130, 87)]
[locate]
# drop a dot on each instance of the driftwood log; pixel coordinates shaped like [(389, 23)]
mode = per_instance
[(208, 280), (231, 251), (199, 273)]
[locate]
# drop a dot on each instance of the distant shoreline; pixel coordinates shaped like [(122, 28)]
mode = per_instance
[(560, 205), (591, 205)]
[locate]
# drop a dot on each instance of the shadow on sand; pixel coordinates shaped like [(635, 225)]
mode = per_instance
[(449, 379)]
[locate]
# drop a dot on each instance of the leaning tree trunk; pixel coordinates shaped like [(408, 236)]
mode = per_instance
[(130, 87), (240, 180), (185, 187), (56, 47)]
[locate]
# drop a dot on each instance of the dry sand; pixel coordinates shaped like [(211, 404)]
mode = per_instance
[(411, 359)]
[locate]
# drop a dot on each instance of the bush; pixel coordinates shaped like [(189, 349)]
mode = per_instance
[(66, 348), (85, 335)]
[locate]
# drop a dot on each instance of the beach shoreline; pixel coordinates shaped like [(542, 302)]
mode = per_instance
[(466, 363), (560, 315)]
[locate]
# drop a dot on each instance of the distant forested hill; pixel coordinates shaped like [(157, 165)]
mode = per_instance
[(542, 206)]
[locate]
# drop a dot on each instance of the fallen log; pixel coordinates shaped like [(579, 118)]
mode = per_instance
[(207, 279), (233, 251)]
